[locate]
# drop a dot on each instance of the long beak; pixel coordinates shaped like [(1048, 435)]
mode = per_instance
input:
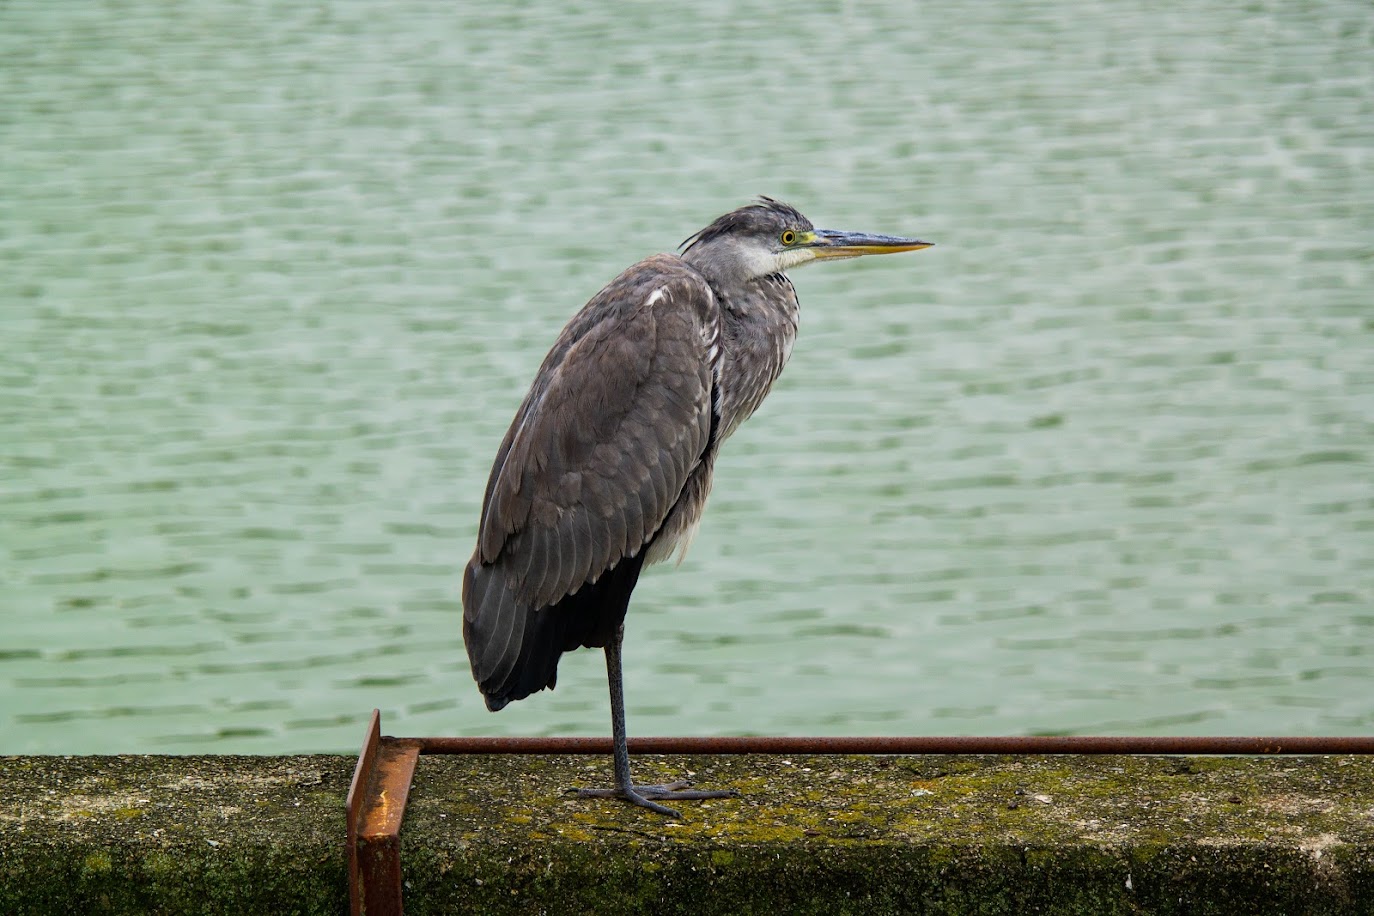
[(834, 243)]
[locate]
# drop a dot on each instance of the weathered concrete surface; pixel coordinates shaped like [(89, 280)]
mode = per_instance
[(810, 835), (173, 835)]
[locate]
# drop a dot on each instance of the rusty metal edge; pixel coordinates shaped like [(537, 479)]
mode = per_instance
[(376, 806), (357, 793), (389, 789), (1016, 744), (379, 832)]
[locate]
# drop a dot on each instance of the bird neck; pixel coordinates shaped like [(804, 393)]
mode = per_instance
[(758, 325)]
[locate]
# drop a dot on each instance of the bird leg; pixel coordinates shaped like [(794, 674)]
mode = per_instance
[(644, 796)]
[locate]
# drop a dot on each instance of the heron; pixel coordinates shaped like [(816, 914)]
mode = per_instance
[(608, 462)]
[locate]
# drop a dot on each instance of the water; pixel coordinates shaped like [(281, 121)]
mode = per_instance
[(273, 279)]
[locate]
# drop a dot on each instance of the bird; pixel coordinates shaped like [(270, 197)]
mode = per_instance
[(608, 463)]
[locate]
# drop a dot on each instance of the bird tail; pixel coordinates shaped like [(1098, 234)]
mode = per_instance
[(514, 649)]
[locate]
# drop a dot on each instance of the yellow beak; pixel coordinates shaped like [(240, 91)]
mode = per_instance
[(834, 243)]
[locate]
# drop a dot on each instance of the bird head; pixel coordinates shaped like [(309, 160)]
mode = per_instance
[(770, 237)]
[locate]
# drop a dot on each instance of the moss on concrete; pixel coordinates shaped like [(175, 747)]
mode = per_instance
[(827, 835), (902, 835), (172, 835)]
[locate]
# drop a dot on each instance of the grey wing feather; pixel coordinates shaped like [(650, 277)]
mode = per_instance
[(603, 444), (482, 589)]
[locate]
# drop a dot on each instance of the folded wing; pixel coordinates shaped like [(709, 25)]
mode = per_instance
[(598, 453)]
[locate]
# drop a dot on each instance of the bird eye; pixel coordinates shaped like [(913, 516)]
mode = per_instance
[(789, 237)]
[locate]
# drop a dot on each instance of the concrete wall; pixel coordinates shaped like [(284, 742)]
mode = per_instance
[(830, 835)]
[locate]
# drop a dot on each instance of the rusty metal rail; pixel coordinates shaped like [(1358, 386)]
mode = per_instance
[(1016, 744), (381, 780)]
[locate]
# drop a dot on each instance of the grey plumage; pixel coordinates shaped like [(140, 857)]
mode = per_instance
[(608, 462)]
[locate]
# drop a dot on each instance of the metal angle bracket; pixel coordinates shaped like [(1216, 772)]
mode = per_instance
[(376, 805)]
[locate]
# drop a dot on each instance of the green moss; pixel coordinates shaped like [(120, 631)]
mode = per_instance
[(96, 863), (867, 835), (911, 834), (134, 835)]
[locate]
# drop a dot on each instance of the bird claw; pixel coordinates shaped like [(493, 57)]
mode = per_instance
[(646, 796)]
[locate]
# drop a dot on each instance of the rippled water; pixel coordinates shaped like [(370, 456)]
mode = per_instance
[(273, 278)]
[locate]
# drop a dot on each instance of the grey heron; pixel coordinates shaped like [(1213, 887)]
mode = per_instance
[(608, 462)]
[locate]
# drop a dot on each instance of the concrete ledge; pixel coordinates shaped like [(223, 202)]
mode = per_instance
[(868, 835)]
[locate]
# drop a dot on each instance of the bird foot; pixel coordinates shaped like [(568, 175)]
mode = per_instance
[(646, 796)]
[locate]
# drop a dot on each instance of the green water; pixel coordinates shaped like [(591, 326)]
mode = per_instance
[(274, 276)]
